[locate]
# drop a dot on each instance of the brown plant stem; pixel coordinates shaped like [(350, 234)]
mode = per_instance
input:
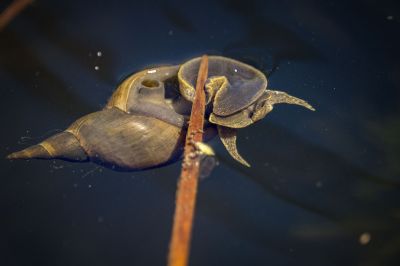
[(188, 181), (12, 11)]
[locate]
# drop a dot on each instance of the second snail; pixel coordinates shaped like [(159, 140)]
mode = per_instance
[(144, 122)]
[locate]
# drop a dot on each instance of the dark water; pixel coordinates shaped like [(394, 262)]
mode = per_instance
[(321, 182)]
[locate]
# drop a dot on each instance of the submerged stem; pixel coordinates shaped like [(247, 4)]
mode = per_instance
[(188, 181)]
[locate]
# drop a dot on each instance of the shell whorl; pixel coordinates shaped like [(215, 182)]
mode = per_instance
[(63, 145), (129, 141), (126, 95), (112, 137)]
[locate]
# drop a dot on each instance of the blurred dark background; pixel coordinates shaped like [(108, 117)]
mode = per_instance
[(323, 188)]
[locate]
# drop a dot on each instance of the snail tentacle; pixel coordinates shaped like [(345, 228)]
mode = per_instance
[(228, 138), (283, 97)]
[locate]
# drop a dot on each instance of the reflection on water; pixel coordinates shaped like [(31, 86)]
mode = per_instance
[(323, 188)]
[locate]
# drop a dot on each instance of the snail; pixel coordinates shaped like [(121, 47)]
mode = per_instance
[(144, 123)]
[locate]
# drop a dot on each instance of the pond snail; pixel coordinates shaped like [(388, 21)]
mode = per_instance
[(144, 123)]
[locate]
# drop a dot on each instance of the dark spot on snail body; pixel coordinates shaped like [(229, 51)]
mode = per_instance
[(150, 83)]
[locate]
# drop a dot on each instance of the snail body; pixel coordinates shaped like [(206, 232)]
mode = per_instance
[(145, 121), (237, 94)]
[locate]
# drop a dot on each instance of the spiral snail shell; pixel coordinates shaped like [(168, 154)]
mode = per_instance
[(144, 122), (137, 129)]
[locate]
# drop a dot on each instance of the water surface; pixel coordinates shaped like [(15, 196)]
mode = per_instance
[(323, 188)]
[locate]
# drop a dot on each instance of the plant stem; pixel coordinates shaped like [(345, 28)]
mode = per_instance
[(12, 11), (188, 181)]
